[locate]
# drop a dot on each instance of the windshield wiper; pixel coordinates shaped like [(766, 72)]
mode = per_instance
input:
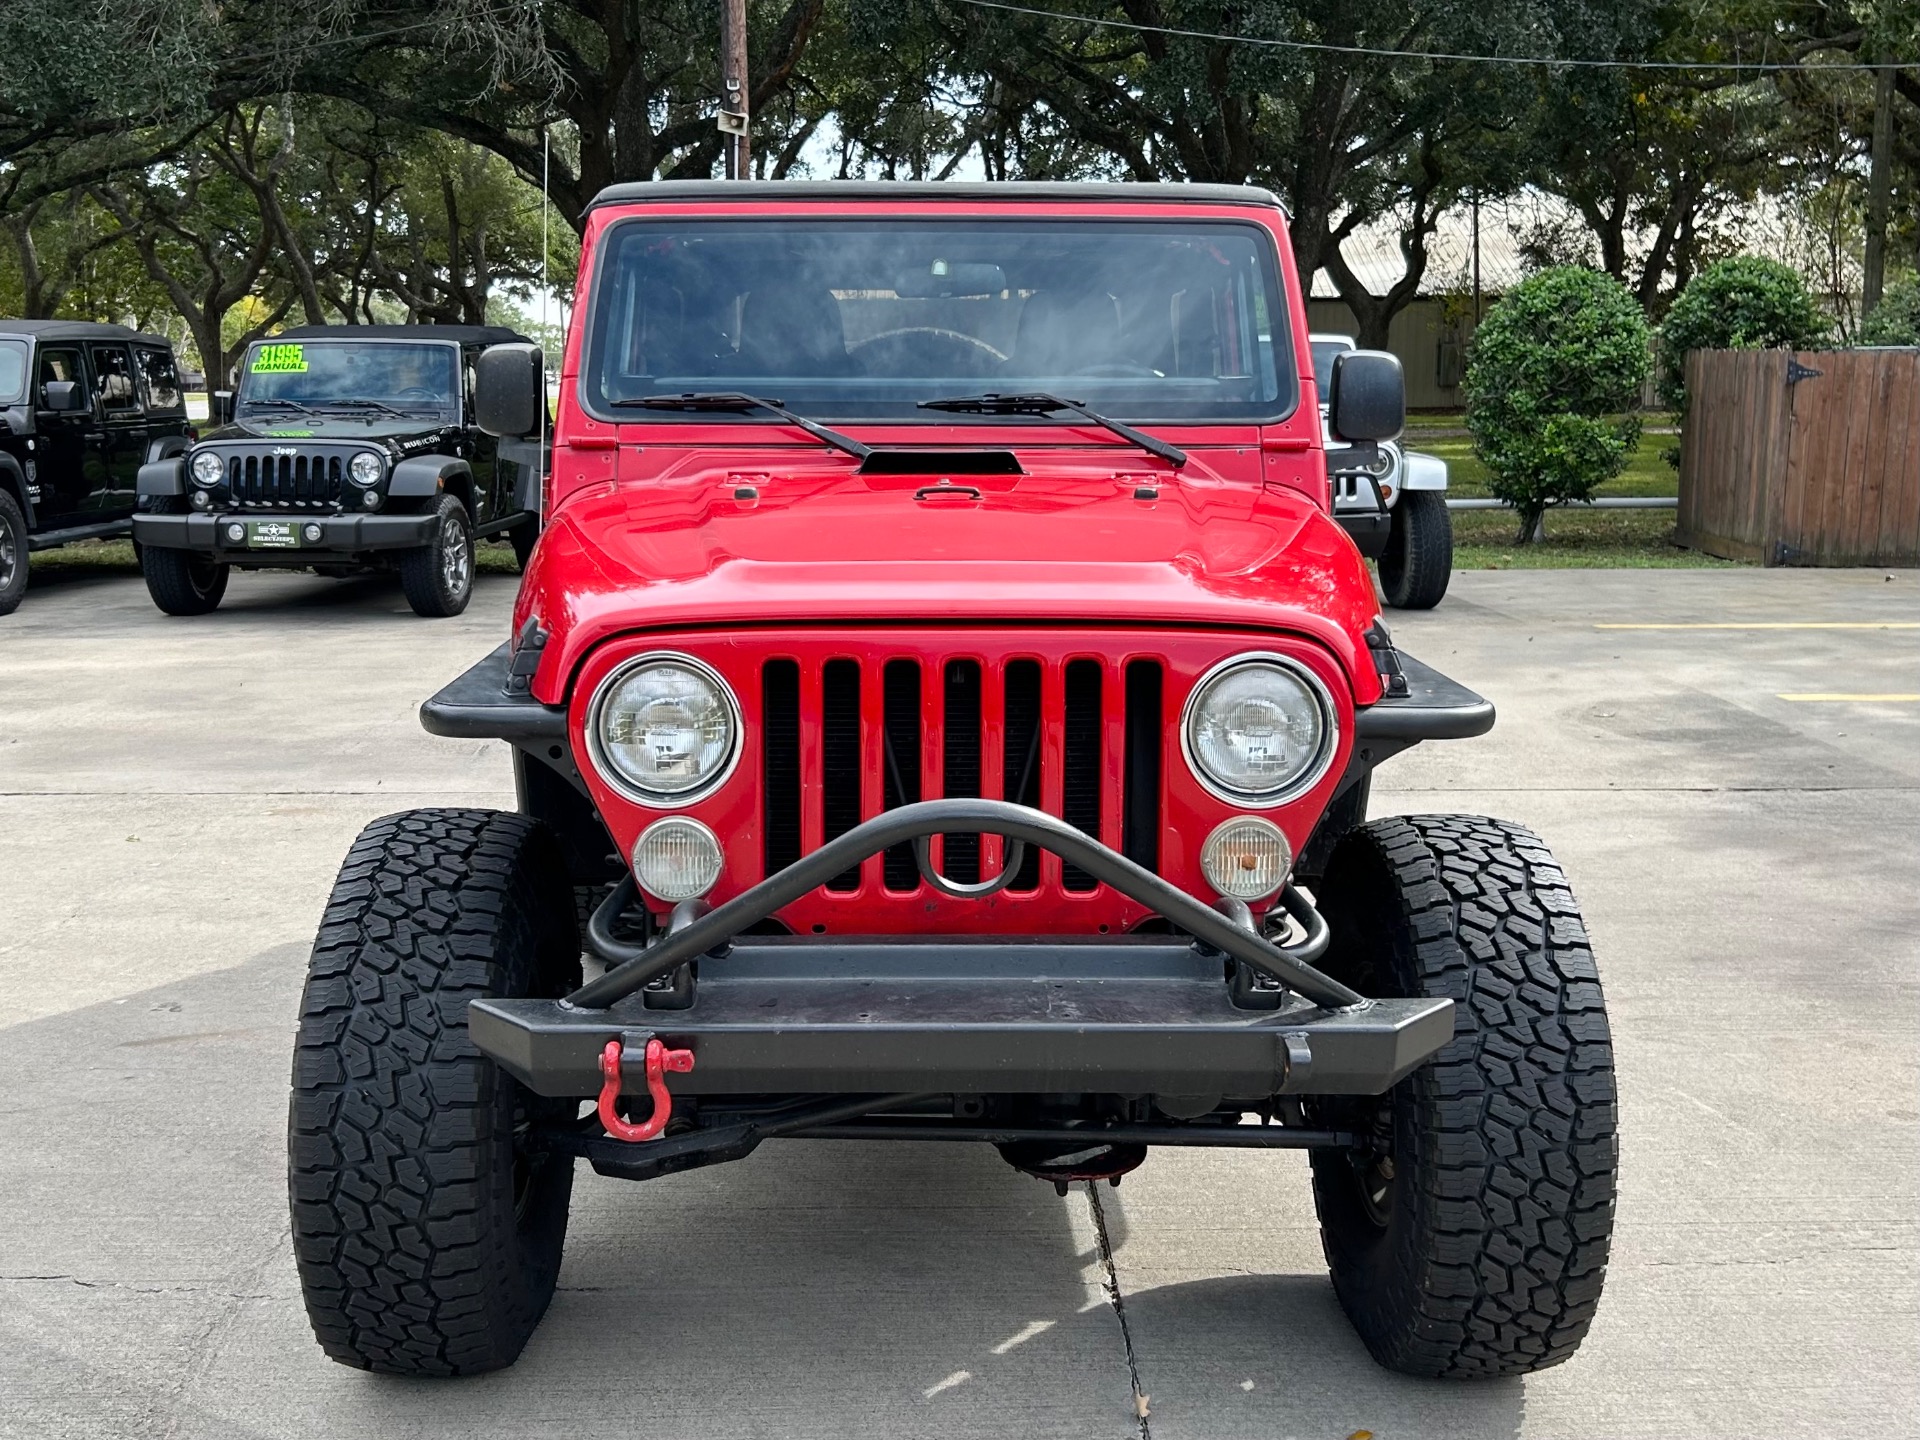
[(726, 400), (356, 404), (277, 405), (1040, 403)]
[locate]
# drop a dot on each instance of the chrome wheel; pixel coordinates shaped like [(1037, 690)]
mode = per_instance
[(456, 558)]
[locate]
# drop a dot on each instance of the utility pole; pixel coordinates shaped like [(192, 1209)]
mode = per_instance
[(733, 119), (1879, 188)]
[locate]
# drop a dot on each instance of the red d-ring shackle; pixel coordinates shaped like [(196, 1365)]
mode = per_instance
[(659, 1061)]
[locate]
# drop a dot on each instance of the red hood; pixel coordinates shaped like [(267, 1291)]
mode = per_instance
[(816, 541)]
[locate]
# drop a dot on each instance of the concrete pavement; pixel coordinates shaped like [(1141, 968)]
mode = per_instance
[(176, 794)]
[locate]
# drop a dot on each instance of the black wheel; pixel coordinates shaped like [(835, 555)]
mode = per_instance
[(1470, 1240), (438, 578), (426, 1227), (1418, 561), (522, 538), (181, 582), (13, 553)]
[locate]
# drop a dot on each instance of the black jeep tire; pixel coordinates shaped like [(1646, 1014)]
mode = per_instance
[(427, 1233), (438, 577), (13, 553), (1418, 561), (181, 582), (523, 537), (1480, 1250)]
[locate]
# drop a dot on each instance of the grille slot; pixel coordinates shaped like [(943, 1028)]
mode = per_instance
[(1140, 797), (840, 758), (1020, 756), (1080, 782), (960, 764), (780, 767), (900, 734), (300, 481)]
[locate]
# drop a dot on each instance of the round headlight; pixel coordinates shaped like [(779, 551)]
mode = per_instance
[(1247, 858), (1259, 730), (208, 468), (366, 468), (665, 728), (676, 859)]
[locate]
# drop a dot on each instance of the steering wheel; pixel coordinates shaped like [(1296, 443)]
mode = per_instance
[(899, 349), (418, 392)]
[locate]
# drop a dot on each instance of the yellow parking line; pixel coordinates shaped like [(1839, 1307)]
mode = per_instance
[(1776, 625), (1894, 699)]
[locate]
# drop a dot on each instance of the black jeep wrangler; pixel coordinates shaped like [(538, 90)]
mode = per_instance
[(82, 406), (344, 448)]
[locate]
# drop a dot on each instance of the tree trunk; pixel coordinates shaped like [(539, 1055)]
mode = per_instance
[(1879, 193)]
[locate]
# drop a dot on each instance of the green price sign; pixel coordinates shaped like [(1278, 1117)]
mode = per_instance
[(280, 360)]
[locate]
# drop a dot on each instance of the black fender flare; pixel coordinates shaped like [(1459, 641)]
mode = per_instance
[(423, 476), (14, 480), (167, 447), (162, 475)]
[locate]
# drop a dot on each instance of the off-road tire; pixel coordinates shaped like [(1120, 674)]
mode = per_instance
[(181, 582), (438, 577), (523, 537), (13, 553), (1488, 1253), (1418, 561), (428, 1240)]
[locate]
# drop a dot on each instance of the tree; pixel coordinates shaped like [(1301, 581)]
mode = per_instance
[(1553, 384), (1896, 319), (1746, 302)]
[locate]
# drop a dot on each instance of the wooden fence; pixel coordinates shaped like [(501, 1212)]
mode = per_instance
[(1809, 458)]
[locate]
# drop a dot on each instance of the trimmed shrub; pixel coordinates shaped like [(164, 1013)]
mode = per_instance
[(1742, 303), (1553, 387), (1896, 319)]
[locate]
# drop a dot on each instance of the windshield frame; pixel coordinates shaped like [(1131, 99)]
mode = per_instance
[(323, 408), (1280, 342)]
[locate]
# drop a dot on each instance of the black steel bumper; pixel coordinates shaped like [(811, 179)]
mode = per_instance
[(1228, 1013), (1370, 529), (339, 534)]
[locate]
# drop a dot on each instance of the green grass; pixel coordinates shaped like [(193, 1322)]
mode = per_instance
[(1576, 539)]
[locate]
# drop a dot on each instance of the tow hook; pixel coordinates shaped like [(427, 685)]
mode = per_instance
[(659, 1061)]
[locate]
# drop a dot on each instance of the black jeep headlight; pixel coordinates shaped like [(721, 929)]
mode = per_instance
[(366, 468), (1259, 730), (207, 469), (665, 728)]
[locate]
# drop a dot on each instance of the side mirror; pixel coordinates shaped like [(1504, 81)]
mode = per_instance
[(509, 390), (220, 407), (63, 396), (1368, 397)]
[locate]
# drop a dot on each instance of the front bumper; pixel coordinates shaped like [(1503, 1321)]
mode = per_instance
[(340, 535), (1228, 1013)]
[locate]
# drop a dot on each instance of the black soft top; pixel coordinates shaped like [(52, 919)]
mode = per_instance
[(968, 191), (465, 334), (80, 330)]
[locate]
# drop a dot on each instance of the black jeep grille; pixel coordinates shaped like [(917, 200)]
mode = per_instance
[(300, 481), (874, 717)]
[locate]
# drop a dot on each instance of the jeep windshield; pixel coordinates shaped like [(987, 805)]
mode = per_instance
[(863, 319), (13, 372), (350, 377)]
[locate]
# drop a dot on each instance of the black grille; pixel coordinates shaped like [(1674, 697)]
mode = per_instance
[(300, 481), (886, 738), (1080, 788), (780, 746), (840, 757)]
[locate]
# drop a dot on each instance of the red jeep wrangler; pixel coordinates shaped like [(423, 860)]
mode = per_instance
[(942, 709)]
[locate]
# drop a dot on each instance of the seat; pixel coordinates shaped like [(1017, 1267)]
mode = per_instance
[(792, 329), (1063, 332)]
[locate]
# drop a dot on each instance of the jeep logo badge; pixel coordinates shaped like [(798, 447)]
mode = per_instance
[(286, 450)]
